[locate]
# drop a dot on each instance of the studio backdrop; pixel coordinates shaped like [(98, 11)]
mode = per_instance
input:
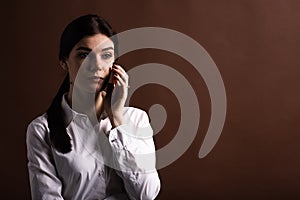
[(223, 76)]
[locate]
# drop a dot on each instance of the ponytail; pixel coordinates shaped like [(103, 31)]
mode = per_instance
[(59, 138)]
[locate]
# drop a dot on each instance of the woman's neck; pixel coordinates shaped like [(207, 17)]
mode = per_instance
[(84, 102)]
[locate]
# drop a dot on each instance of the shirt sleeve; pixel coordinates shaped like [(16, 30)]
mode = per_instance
[(44, 182), (134, 157)]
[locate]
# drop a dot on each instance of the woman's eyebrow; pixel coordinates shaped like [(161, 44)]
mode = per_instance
[(107, 48), (88, 49)]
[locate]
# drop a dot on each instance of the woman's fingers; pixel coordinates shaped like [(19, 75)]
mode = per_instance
[(120, 71), (120, 80), (120, 75)]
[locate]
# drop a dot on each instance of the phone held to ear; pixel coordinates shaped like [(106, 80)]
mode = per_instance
[(111, 81)]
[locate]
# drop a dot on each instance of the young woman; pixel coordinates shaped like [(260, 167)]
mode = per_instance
[(83, 146)]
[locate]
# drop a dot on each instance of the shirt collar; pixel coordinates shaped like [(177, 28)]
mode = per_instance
[(70, 114)]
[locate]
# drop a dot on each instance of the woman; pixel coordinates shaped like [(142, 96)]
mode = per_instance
[(86, 146)]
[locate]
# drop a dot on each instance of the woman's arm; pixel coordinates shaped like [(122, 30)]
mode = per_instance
[(44, 182), (134, 156)]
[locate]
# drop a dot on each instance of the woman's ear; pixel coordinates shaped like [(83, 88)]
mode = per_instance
[(64, 65)]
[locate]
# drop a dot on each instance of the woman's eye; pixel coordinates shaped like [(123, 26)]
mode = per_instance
[(83, 55), (106, 56)]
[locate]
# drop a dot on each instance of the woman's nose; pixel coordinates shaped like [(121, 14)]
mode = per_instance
[(95, 64)]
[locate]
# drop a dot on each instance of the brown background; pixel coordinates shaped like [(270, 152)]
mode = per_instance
[(255, 45)]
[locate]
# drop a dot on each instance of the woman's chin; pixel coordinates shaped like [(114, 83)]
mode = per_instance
[(89, 87), (95, 87)]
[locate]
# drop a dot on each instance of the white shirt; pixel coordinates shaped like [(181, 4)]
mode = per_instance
[(82, 173)]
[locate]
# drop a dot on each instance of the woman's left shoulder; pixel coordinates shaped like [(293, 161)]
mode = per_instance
[(133, 110), (136, 114)]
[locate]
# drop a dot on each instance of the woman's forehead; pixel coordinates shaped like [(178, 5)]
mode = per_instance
[(98, 42)]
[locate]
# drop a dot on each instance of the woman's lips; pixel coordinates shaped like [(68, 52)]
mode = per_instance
[(96, 78)]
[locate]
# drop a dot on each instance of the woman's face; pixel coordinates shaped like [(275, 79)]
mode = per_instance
[(90, 61)]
